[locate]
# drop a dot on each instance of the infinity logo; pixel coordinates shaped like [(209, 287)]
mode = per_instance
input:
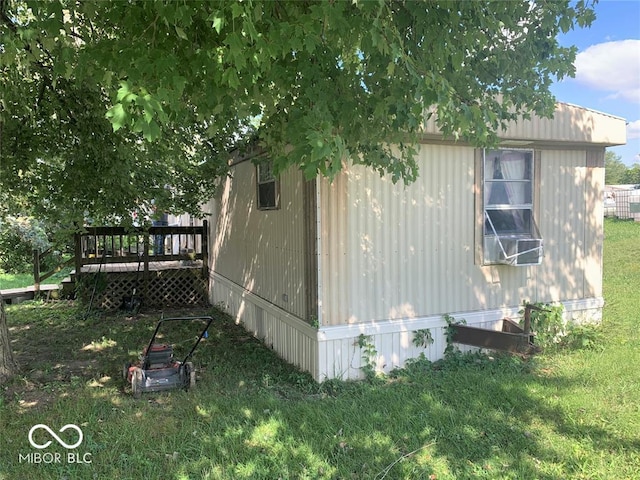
[(52, 433)]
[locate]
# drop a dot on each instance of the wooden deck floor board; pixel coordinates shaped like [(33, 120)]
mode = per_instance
[(133, 267)]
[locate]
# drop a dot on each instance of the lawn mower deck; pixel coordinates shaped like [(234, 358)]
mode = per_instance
[(157, 369)]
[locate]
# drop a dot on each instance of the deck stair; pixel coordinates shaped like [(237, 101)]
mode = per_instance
[(12, 296), (510, 338)]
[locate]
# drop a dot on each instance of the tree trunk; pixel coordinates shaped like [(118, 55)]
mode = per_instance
[(8, 365)]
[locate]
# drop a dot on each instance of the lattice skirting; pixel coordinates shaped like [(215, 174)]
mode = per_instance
[(164, 288)]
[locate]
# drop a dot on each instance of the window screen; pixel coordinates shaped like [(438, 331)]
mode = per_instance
[(508, 191), (510, 233), (268, 191)]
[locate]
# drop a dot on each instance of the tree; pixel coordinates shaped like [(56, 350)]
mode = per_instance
[(614, 169), (108, 105), (334, 80), (632, 175), (617, 173), (8, 365)]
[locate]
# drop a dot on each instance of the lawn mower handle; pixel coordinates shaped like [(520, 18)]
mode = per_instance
[(183, 319)]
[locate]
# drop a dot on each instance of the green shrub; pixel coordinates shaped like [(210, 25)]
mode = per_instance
[(552, 331), (19, 236), (547, 324)]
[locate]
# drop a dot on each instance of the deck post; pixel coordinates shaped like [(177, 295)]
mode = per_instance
[(205, 250), (145, 275), (36, 270), (77, 240)]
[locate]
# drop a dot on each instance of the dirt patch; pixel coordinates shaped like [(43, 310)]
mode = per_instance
[(57, 351), (39, 388), (28, 395)]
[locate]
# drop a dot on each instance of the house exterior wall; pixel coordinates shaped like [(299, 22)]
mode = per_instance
[(394, 259), (259, 263), (262, 251), (392, 252), (294, 339), (571, 213), (384, 261)]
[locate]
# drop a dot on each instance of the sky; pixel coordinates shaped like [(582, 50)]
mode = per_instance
[(608, 69)]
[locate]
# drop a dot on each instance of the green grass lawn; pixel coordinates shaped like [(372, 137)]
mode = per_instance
[(18, 280), (565, 414)]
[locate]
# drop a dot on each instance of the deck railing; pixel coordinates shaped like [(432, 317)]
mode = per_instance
[(102, 245), (38, 275)]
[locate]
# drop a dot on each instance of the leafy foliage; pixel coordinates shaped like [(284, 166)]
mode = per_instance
[(632, 175), (369, 353), (107, 105), (583, 337), (617, 173), (19, 237), (422, 337), (548, 324), (450, 333)]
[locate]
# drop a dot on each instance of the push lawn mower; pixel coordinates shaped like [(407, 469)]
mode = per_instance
[(157, 368)]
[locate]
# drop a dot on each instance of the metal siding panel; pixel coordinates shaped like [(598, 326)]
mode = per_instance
[(294, 340), (263, 251), (333, 257), (570, 123), (594, 232), (340, 360), (408, 249), (563, 224)]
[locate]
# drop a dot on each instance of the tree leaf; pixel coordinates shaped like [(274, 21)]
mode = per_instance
[(118, 116), (181, 34)]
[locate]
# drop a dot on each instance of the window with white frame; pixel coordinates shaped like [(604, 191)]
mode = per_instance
[(268, 190), (510, 232)]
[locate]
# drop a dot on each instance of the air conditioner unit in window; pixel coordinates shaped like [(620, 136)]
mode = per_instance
[(517, 249), (521, 251)]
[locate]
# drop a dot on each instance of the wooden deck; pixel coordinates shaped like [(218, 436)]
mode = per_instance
[(167, 283), (134, 267), (167, 266)]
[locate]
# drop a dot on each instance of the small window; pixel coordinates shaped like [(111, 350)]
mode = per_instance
[(510, 233), (268, 187)]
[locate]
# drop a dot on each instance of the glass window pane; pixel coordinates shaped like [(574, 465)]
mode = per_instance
[(267, 195), (264, 173), (508, 222), (508, 165), (267, 186), (507, 193)]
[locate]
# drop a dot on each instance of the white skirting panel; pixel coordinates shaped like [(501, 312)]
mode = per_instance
[(340, 355), (292, 338), (333, 351)]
